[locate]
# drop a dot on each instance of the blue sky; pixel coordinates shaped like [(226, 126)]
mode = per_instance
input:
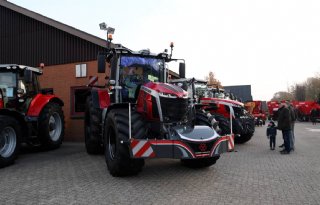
[(267, 44)]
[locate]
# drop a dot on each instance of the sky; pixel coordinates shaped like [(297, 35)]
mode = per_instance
[(268, 44)]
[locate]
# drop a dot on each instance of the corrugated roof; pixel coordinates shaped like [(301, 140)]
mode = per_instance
[(54, 23)]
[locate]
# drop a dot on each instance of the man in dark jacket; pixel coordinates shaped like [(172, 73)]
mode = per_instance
[(284, 124), (293, 117)]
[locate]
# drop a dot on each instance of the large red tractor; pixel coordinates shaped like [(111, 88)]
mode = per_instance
[(27, 113), (222, 108), (138, 116)]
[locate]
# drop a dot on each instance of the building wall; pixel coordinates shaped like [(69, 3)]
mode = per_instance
[(27, 41), (62, 78), (241, 91)]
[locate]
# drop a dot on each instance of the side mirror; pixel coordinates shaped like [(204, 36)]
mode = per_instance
[(182, 70), (27, 76), (101, 63)]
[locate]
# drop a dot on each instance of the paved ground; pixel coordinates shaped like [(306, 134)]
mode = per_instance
[(252, 175)]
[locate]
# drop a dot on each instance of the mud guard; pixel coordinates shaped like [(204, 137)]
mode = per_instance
[(100, 98), (39, 101)]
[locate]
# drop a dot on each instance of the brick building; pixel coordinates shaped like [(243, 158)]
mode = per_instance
[(69, 55)]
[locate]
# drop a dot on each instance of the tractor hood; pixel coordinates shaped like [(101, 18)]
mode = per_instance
[(222, 101), (167, 90)]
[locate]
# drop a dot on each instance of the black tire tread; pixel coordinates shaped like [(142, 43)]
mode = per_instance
[(9, 121), (93, 140), (123, 165), (45, 140)]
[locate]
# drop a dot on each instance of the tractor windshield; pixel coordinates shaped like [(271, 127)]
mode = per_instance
[(8, 83), (135, 71), (201, 90)]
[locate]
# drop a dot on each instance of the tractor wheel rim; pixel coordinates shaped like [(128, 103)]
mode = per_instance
[(8, 142), (55, 126)]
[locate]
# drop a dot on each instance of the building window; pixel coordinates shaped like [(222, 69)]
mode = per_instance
[(78, 101), (81, 70)]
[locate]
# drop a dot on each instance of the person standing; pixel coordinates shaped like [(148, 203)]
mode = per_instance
[(293, 117), (284, 124), (272, 133)]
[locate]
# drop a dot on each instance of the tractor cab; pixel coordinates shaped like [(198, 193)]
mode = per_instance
[(18, 85), (135, 71), (27, 114)]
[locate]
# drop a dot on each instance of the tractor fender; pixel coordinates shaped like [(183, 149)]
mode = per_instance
[(38, 103), (111, 107), (100, 98)]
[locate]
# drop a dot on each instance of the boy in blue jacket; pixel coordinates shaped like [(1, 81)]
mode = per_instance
[(271, 134)]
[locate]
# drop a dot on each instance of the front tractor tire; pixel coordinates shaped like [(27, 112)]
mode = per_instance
[(116, 136), (202, 119), (92, 128), (10, 134), (248, 128), (51, 126)]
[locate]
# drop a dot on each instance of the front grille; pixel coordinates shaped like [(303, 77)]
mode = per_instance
[(174, 109)]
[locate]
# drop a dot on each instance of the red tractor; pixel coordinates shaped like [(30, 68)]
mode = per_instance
[(273, 107), (305, 109), (258, 109), (138, 115), (27, 113), (221, 107)]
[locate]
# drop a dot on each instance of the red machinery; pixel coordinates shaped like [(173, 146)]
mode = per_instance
[(273, 107), (27, 113), (304, 109), (258, 109), (141, 116)]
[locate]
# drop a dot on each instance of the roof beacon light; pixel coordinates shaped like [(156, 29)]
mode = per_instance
[(110, 37)]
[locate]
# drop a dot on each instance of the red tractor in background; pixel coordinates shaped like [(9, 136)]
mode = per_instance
[(259, 110), (27, 113), (221, 106), (307, 110), (138, 115), (273, 107)]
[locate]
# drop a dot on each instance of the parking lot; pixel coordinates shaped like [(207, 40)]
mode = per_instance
[(252, 175)]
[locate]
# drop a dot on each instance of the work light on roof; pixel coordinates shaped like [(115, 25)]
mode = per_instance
[(103, 26)]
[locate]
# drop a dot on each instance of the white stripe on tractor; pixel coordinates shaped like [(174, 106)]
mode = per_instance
[(148, 152), (137, 148)]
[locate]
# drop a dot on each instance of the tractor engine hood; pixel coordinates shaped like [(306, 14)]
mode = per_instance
[(167, 90)]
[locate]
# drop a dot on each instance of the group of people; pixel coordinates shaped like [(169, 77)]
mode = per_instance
[(286, 120)]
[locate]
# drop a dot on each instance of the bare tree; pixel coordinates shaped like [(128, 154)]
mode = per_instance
[(300, 92), (312, 88), (212, 81), (282, 95)]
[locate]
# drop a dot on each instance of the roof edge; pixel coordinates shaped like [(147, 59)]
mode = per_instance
[(69, 29)]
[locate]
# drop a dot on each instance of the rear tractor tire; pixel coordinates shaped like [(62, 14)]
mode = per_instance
[(10, 134), (117, 155), (51, 126), (92, 128)]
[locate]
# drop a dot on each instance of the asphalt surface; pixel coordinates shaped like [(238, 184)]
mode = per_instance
[(253, 174)]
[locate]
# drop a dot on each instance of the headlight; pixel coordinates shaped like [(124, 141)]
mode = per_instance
[(167, 95)]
